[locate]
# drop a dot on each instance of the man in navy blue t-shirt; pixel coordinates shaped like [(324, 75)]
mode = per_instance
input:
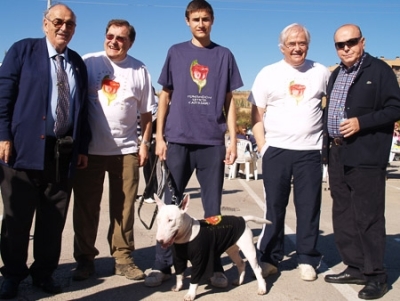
[(195, 109)]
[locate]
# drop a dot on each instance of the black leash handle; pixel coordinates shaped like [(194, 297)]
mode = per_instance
[(141, 199), (148, 227)]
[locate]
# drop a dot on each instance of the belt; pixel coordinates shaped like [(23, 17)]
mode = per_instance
[(337, 141)]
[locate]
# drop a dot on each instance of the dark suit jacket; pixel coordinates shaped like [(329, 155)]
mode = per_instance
[(374, 98), (24, 99)]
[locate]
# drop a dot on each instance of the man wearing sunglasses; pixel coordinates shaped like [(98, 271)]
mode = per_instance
[(38, 158), (357, 149), (119, 87)]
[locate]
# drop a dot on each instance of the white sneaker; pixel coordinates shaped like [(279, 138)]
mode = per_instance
[(268, 269), (155, 278), (307, 272), (219, 280), (149, 201)]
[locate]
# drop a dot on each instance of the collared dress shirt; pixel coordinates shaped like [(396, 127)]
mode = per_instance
[(337, 103)]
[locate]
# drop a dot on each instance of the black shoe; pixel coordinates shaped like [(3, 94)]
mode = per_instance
[(9, 288), (83, 271), (48, 285), (344, 278), (373, 290)]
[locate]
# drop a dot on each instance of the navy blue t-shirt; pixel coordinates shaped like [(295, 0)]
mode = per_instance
[(199, 79)]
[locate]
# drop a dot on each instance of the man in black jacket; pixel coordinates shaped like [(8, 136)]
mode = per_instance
[(363, 104)]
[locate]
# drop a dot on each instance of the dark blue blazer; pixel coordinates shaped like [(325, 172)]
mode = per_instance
[(24, 99)]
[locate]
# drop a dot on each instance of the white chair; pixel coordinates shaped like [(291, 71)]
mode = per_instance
[(395, 149), (246, 156)]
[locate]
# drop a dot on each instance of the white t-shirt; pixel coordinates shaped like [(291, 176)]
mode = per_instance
[(117, 91), (292, 99)]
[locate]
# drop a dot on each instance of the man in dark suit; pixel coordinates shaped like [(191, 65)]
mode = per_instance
[(37, 160), (363, 104)]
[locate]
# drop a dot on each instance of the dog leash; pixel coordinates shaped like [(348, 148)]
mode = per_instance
[(160, 191), (163, 179)]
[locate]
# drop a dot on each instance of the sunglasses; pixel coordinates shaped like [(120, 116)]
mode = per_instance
[(349, 43), (58, 23), (120, 39)]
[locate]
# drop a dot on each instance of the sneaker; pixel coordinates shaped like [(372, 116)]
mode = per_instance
[(83, 271), (155, 278), (307, 272), (219, 280), (268, 269), (130, 271), (149, 201)]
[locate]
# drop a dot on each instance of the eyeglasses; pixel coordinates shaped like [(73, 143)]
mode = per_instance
[(349, 43), (292, 45), (58, 23), (120, 39)]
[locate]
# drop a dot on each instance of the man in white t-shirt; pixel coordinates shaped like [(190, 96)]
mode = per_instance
[(119, 87), (286, 102)]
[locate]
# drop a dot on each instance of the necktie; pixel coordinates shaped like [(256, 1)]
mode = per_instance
[(61, 125)]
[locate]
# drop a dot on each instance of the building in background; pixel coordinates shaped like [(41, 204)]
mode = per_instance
[(394, 64)]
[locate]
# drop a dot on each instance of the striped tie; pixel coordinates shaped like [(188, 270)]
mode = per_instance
[(61, 125)]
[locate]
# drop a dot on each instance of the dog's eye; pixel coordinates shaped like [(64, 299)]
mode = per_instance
[(170, 220)]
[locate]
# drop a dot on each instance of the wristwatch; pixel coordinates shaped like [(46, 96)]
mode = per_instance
[(147, 143)]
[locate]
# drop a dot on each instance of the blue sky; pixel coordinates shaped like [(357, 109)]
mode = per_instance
[(250, 29)]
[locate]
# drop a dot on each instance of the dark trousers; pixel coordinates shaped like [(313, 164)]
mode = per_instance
[(279, 166), (181, 161), (26, 193), (358, 216)]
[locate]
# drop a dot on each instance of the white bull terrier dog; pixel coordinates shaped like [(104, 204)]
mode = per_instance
[(203, 241)]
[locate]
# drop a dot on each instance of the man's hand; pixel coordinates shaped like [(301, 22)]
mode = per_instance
[(143, 154), (161, 149), (231, 154), (82, 161), (349, 127), (5, 150)]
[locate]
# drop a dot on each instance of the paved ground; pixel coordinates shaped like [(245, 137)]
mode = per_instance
[(239, 198)]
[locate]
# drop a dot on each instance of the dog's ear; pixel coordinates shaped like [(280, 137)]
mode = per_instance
[(159, 202), (185, 203)]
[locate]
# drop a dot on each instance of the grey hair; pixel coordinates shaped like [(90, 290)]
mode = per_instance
[(47, 11), (285, 33)]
